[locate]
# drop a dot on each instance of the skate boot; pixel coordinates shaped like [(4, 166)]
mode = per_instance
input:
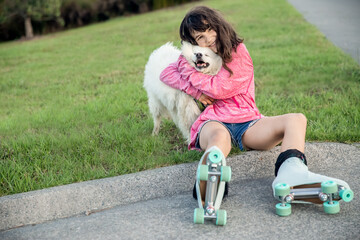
[(294, 183), (216, 173)]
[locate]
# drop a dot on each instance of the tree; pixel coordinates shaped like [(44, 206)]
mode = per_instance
[(38, 10)]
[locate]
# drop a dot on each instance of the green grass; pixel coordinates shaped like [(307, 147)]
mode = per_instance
[(72, 106)]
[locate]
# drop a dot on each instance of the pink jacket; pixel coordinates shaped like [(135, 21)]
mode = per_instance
[(235, 94)]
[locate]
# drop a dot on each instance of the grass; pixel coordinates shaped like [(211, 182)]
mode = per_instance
[(72, 106)]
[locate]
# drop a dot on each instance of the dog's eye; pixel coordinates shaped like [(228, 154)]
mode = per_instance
[(206, 55)]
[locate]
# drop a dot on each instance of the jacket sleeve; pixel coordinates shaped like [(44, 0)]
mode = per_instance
[(222, 85), (171, 77)]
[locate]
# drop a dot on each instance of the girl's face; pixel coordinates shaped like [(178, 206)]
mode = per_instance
[(206, 39)]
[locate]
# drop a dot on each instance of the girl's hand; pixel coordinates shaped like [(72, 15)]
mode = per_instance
[(206, 100)]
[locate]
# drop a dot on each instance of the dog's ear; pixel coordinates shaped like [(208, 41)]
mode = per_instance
[(187, 50), (186, 46)]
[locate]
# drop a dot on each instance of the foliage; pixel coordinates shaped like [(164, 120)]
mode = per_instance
[(36, 9), (30, 10), (54, 15), (157, 4)]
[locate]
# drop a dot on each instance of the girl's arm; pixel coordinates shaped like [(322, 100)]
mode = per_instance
[(171, 77), (222, 85)]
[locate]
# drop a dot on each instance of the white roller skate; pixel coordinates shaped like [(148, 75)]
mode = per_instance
[(296, 184), (216, 173)]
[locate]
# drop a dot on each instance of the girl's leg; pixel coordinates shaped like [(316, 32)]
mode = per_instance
[(290, 129), (214, 134), (290, 166)]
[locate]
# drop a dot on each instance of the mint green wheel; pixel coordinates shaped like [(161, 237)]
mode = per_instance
[(199, 215), (331, 208), (329, 187), (221, 216), (282, 189), (203, 172), (225, 174), (347, 195), (283, 211), (215, 156)]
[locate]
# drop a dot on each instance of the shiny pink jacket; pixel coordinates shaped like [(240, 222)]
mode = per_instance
[(235, 94)]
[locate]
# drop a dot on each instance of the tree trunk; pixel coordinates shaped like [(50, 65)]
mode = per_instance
[(28, 28), (143, 7)]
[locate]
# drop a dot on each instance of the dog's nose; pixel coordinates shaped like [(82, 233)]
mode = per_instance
[(198, 55)]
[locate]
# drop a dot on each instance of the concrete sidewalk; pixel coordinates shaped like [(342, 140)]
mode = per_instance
[(338, 20), (162, 207)]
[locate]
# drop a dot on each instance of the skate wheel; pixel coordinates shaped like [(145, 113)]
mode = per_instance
[(283, 211), (225, 174), (199, 215), (221, 217), (329, 187), (282, 189), (331, 208), (215, 156), (347, 195), (203, 172)]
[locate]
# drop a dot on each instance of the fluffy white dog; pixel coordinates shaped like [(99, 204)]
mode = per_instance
[(165, 101)]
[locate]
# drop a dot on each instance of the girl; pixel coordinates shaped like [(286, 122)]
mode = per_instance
[(231, 115)]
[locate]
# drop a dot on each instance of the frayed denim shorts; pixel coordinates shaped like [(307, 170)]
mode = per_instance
[(236, 131)]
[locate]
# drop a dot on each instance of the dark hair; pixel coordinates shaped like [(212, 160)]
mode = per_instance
[(203, 18)]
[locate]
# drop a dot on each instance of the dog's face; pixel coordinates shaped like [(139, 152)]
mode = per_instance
[(202, 59)]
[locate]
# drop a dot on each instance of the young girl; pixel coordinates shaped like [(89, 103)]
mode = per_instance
[(231, 115)]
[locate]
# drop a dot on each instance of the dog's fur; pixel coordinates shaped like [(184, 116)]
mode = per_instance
[(166, 101)]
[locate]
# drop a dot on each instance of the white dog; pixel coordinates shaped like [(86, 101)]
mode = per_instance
[(164, 100)]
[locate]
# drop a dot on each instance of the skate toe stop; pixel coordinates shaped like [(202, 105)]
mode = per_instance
[(347, 195)]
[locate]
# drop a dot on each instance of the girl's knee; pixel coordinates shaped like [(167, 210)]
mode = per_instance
[(215, 134), (300, 119), (220, 135)]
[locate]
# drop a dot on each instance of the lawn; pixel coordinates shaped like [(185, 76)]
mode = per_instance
[(72, 105)]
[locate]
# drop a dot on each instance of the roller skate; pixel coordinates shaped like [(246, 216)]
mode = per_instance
[(296, 184), (216, 173)]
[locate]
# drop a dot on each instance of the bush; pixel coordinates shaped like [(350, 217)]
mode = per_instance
[(76, 13)]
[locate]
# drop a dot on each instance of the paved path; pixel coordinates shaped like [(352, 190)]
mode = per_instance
[(338, 20), (250, 205)]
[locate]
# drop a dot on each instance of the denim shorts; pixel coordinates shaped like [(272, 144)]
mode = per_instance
[(236, 131)]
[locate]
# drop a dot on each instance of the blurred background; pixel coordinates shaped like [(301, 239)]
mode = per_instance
[(28, 18)]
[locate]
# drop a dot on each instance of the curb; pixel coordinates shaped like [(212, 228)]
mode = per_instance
[(92, 196), (86, 197)]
